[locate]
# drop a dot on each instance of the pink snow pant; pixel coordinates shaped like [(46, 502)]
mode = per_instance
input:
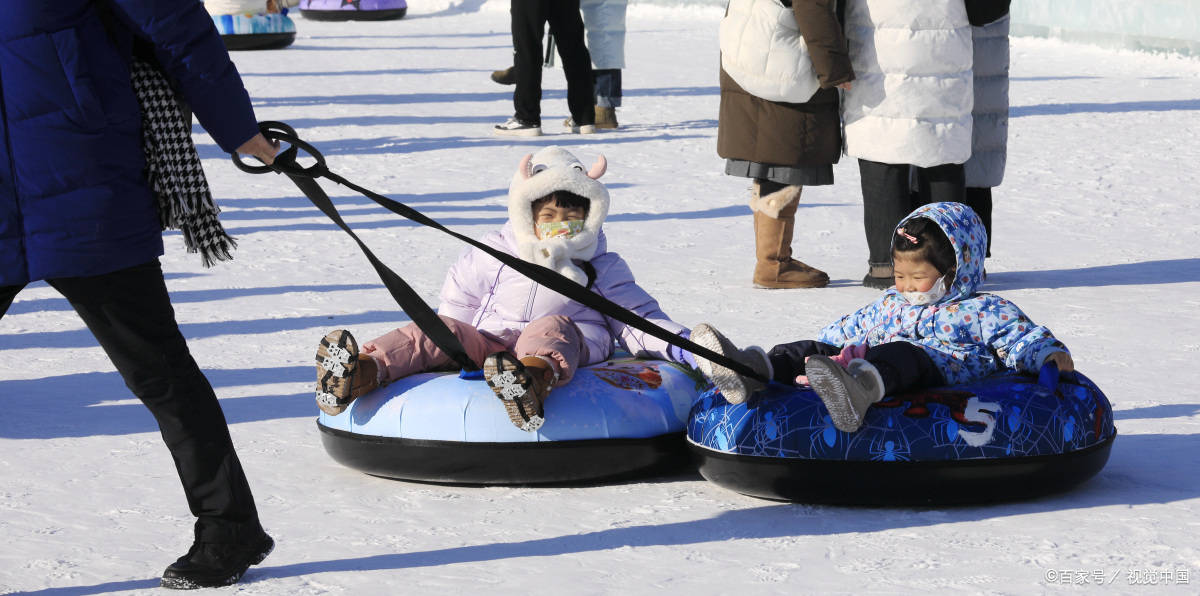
[(408, 350)]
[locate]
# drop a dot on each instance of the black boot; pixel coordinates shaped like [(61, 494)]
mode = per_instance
[(216, 564)]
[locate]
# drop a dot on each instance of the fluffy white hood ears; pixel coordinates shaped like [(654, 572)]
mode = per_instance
[(541, 174), (525, 169)]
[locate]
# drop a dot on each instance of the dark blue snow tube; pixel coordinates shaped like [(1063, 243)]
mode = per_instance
[(618, 418), (1006, 437)]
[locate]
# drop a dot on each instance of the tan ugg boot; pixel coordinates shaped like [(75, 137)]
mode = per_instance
[(343, 374), (606, 117), (522, 385), (774, 222)]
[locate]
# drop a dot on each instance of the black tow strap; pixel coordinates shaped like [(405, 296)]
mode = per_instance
[(408, 300)]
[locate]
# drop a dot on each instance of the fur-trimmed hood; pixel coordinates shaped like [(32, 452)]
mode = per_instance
[(539, 175)]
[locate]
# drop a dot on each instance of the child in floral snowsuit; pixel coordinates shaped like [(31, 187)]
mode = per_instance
[(931, 329)]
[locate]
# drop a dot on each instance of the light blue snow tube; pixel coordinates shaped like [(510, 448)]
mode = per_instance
[(620, 417)]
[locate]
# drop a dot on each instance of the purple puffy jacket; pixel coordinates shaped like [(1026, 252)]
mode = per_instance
[(493, 297)]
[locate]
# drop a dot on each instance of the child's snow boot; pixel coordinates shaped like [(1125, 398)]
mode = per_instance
[(736, 388), (847, 392), (343, 374), (522, 385), (774, 208)]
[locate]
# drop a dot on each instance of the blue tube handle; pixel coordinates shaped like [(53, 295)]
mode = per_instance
[(1050, 375)]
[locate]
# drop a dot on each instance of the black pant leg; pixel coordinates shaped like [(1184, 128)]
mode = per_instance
[(980, 199), (528, 28), (903, 366), (886, 200), (787, 360), (946, 183), (131, 316), (567, 26), (7, 294)]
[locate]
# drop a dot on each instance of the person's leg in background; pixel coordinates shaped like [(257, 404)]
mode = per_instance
[(567, 26), (886, 200), (608, 96), (528, 28), (980, 200)]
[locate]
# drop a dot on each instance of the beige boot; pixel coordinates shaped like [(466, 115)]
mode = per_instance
[(774, 222), (606, 117), (522, 385), (343, 374)]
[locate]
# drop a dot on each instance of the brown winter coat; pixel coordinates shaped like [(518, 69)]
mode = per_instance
[(791, 134)]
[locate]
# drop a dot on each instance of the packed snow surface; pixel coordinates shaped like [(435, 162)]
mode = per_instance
[(1096, 235)]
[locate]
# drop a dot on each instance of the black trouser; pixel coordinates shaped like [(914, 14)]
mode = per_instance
[(130, 314), (887, 198), (901, 364), (529, 18), (980, 199)]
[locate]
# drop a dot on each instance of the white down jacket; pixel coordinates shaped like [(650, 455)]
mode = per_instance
[(989, 150), (604, 22), (912, 97)]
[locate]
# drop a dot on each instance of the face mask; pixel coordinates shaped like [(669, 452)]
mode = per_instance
[(929, 296), (556, 229)]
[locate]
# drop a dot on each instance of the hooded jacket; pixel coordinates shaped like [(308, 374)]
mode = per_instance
[(73, 195), (969, 335), (493, 297)]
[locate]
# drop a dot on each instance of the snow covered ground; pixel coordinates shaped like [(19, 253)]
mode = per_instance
[(1096, 236)]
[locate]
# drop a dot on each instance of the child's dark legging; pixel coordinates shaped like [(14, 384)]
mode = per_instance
[(901, 364)]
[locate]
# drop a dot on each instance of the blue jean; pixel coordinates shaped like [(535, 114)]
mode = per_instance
[(608, 87)]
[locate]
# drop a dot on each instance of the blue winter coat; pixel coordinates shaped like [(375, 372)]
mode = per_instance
[(969, 335), (73, 196)]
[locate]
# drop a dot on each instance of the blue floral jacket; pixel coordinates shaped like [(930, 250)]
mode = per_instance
[(969, 335)]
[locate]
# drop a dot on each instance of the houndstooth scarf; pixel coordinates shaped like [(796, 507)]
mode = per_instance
[(174, 171)]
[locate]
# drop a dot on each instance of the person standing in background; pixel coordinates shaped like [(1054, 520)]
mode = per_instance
[(77, 211), (910, 106), (989, 150), (784, 146), (529, 19), (604, 22)]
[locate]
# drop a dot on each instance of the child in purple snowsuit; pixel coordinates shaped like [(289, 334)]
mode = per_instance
[(932, 328), (527, 338)]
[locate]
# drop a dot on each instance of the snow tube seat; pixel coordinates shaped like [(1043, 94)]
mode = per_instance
[(621, 417), (353, 10), (267, 31), (1009, 436)]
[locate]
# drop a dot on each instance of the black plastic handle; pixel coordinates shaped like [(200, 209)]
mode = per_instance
[(285, 162)]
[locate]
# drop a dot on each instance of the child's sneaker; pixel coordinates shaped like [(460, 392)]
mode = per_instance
[(522, 385), (343, 374), (847, 392), (518, 128), (736, 388)]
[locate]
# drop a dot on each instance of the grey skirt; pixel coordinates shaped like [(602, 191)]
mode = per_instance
[(821, 175)]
